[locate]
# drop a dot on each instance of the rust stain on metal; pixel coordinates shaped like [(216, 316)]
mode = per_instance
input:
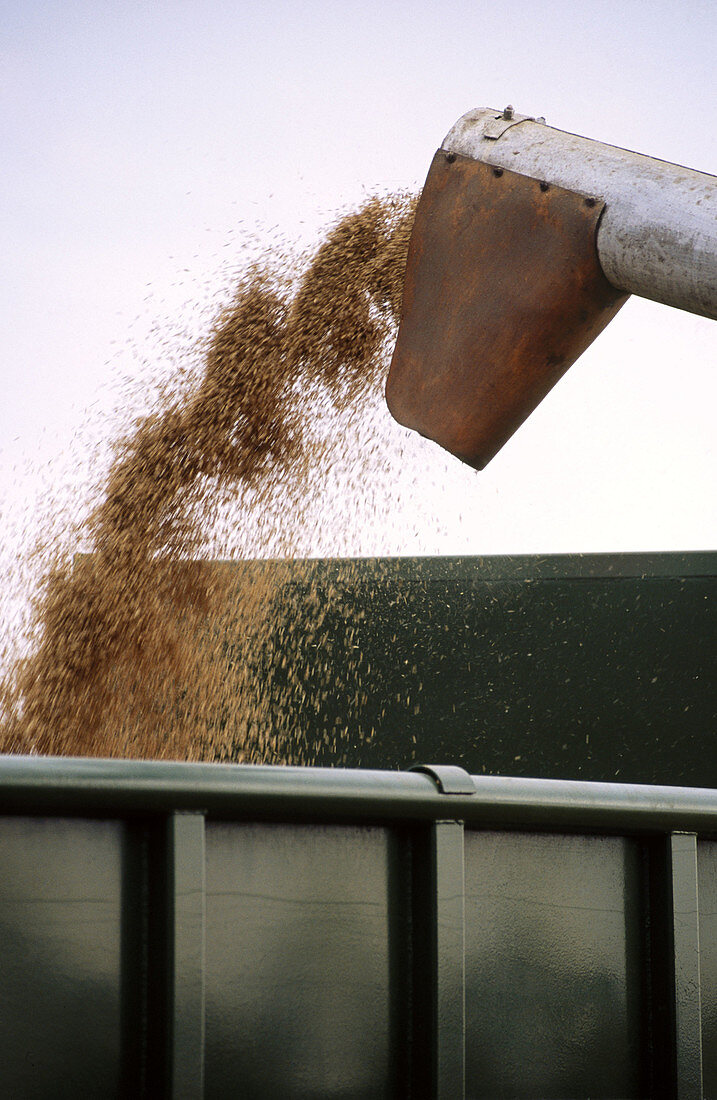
[(503, 292)]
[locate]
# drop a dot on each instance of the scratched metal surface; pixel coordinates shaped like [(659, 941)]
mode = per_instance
[(553, 996), (60, 928), (298, 963)]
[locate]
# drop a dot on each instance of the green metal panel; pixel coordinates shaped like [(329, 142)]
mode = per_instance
[(597, 667), (60, 966), (553, 932), (299, 996), (289, 932)]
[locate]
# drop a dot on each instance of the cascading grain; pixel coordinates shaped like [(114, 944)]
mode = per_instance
[(130, 654)]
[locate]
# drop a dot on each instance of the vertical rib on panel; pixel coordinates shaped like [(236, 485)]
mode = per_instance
[(686, 939), (186, 927), (449, 978)]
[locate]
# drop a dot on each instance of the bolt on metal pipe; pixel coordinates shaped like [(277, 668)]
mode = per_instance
[(657, 236)]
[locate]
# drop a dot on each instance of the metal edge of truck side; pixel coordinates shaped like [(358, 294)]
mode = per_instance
[(647, 564), (113, 788)]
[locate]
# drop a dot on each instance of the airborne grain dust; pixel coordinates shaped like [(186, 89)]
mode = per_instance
[(130, 655)]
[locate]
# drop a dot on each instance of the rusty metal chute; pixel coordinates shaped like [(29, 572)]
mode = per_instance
[(527, 241)]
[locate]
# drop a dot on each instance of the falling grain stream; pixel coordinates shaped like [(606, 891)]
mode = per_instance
[(129, 655)]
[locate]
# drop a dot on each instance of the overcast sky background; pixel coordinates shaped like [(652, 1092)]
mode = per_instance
[(142, 141)]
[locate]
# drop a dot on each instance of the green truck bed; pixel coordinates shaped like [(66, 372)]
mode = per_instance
[(222, 931)]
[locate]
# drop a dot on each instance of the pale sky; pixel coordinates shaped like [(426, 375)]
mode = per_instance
[(142, 142)]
